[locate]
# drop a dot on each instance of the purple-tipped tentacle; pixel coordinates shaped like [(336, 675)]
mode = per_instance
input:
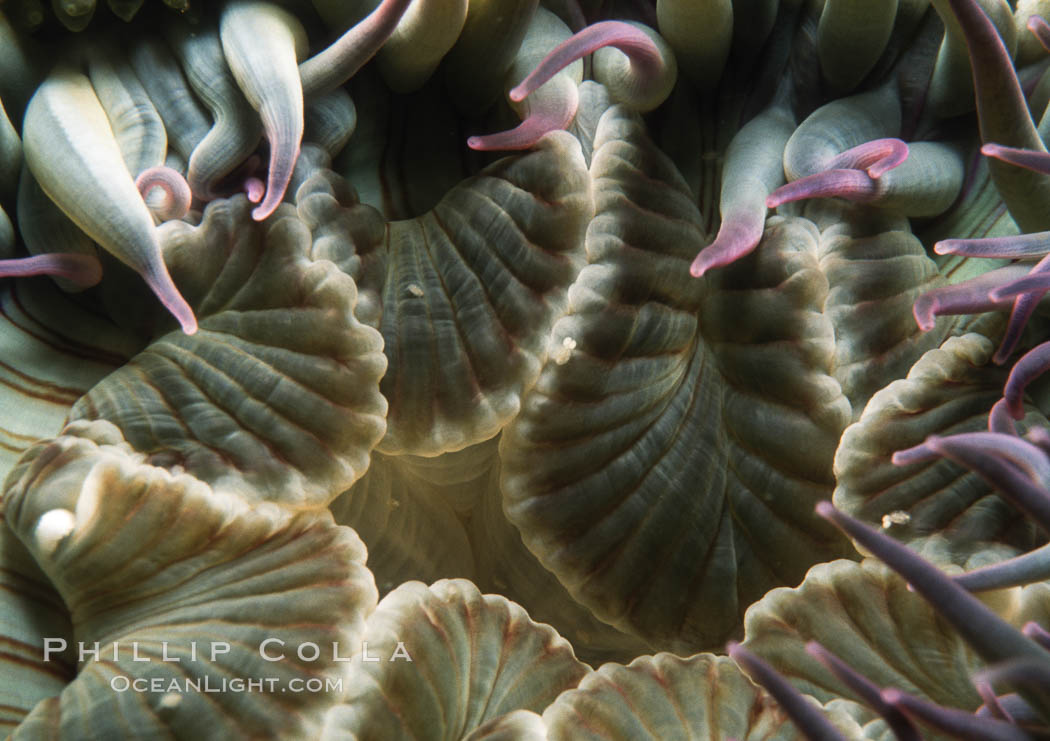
[(1036, 282), (1027, 158), (958, 723), (993, 707), (1040, 29), (1037, 633), (738, 236), (1028, 675), (1038, 436), (1000, 421), (1015, 707), (992, 637), (1015, 450), (968, 297), (1002, 115), (159, 280), (1013, 572), (917, 454), (875, 157), (1023, 308), (1030, 366), (804, 714), (645, 57), (335, 65), (177, 195), (1001, 472), (254, 188), (867, 690), (1035, 244), (83, 270), (853, 185), (534, 127)]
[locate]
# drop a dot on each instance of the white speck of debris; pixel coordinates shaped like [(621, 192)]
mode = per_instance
[(563, 352), (171, 700), (52, 527), (899, 517), (415, 290)]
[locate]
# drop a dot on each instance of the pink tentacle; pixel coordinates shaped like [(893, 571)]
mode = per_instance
[(83, 270), (177, 195), (1041, 29), (1000, 421), (1020, 245), (335, 65), (1026, 158), (537, 124), (876, 157), (738, 235), (1031, 365), (853, 185), (968, 297), (644, 55)]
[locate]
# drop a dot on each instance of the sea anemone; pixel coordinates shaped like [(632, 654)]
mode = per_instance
[(388, 366)]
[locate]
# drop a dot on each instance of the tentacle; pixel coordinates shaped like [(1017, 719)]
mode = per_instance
[(1026, 158), (158, 71), (550, 107), (753, 169), (641, 77), (803, 713), (69, 147), (868, 691), (423, 36), (330, 120), (968, 297), (262, 43), (136, 124), (959, 723), (177, 195), (839, 127), (1037, 633), (1026, 568), (339, 62), (851, 36), (1003, 116), (1040, 29), (1031, 365), (1015, 246), (236, 130), (74, 14), (83, 270), (1013, 466), (700, 34), (991, 637)]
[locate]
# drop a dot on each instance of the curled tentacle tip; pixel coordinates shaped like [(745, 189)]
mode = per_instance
[(254, 189), (177, 195), (83, 270), (889, 154)]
